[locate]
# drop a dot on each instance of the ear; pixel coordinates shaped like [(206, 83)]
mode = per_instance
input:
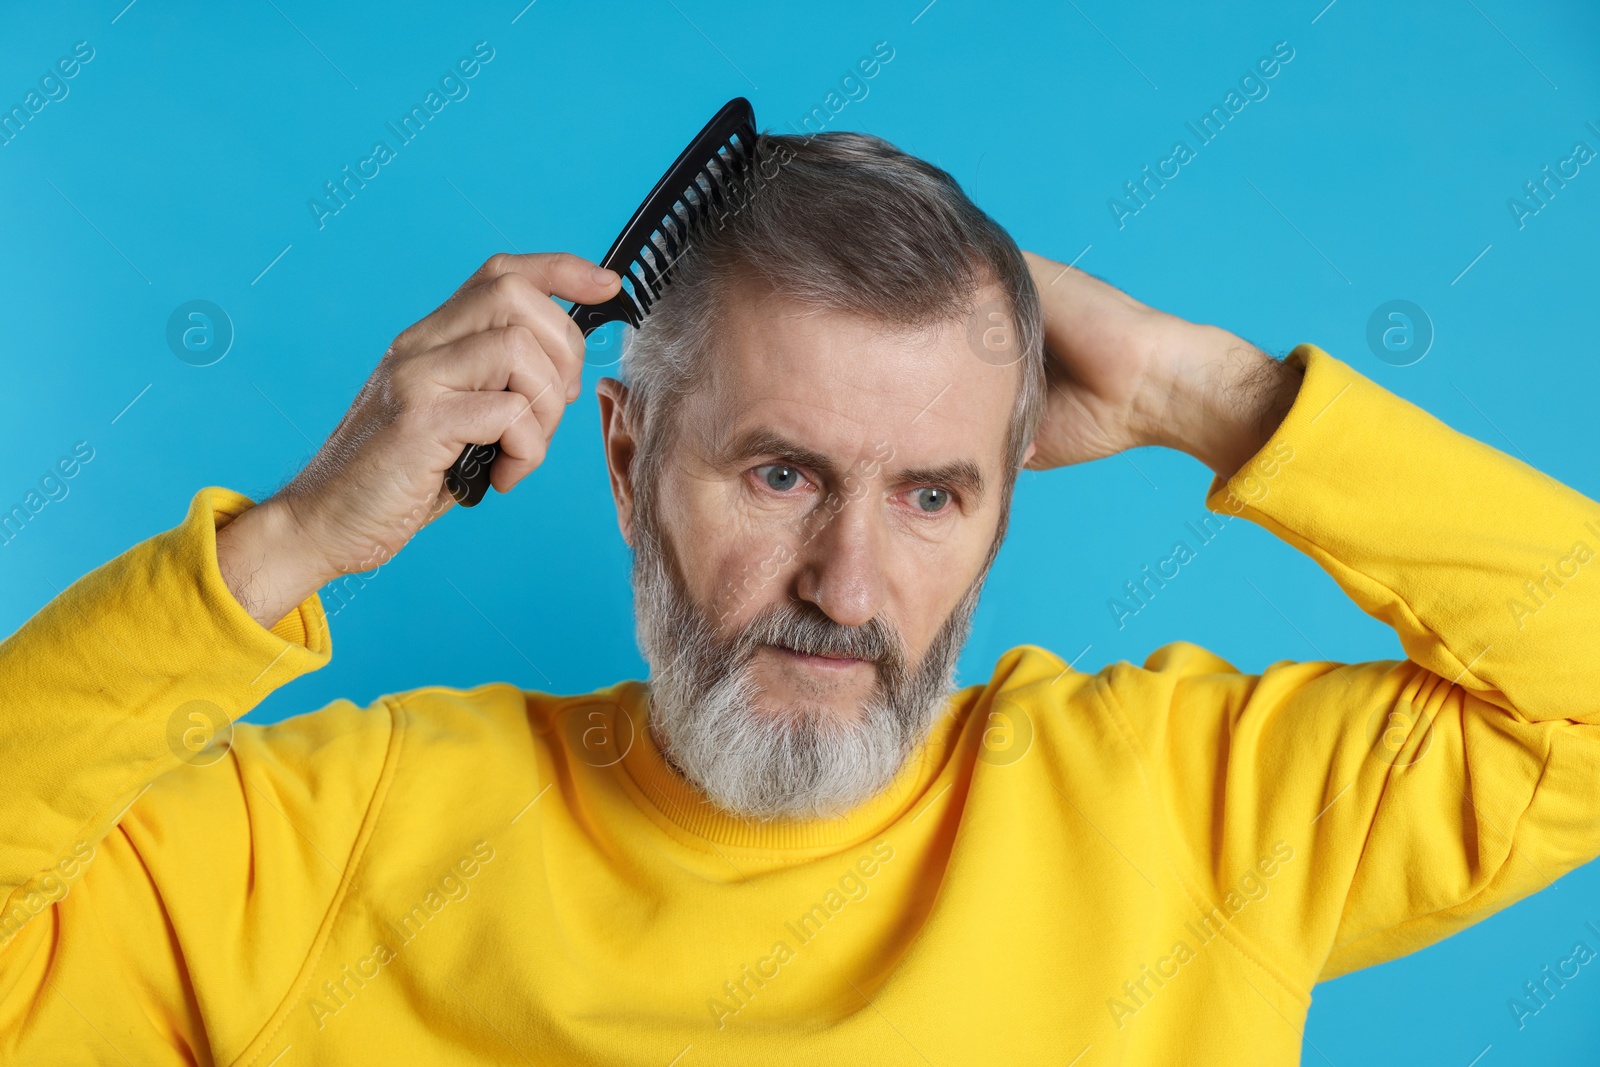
[(1033, 446), (617, 440)]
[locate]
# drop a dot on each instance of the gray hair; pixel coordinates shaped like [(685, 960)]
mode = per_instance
[(841, 222)]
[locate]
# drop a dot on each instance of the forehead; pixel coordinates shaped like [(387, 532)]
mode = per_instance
[(844, 384)]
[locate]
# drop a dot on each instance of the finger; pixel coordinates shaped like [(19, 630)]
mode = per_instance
[(548, 274), (560, 274), (523, 431), (507, 300), (526, 440), (503, 362), (510, 357)]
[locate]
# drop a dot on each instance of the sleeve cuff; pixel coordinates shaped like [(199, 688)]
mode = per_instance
[(1325, 379), (305, 628)]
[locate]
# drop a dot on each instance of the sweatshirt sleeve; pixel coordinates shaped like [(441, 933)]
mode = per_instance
[(1416, 796), (163, 871)]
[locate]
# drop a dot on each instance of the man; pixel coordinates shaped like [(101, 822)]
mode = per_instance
[(796, 843)]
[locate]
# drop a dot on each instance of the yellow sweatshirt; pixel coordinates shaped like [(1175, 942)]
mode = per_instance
[(1144, 865)]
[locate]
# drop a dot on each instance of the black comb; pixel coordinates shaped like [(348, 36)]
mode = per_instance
[(702, 183)]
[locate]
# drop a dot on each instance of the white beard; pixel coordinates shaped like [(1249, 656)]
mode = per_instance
[(758, 762)]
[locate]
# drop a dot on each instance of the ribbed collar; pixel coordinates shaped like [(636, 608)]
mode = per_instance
[(677, 800)]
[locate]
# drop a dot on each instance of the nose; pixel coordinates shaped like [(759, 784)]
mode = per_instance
[(841, 568)]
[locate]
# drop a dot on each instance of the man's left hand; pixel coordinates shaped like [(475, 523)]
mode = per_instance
[(1120, 375)]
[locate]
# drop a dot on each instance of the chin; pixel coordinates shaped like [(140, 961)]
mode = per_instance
[(793, 689), (793, 709)]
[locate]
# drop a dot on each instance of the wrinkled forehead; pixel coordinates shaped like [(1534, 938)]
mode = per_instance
[(846, 384)]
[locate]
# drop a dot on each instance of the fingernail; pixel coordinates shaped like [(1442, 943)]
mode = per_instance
[(604, 275)]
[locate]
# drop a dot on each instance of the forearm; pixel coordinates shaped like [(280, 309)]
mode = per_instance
[(1221, 399), (258, 562)]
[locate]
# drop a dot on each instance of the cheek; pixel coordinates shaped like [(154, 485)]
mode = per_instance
[(933, 571), (925, 599), (743, 577), (733, 562)]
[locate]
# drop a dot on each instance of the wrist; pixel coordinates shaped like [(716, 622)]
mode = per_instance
[(261, 557), (1220, 398)]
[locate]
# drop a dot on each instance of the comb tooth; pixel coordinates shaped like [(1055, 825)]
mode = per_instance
[(686, 220), (696, 215), (647, 273), (634, 306), (675, 236), (710, 195), (724, 176), (680, 224), (634, 313), (669, 269), (671, 238), (696, 203), (685, 211), (655, 257), (731, 176), (659, 257), (661, 249), (688, 213), (702, 191), (642, 286), (664, 265), (718, 196)]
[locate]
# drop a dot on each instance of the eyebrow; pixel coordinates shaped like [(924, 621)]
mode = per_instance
[(962, 475)]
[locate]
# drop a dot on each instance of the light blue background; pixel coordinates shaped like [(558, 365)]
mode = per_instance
[(181, 162)]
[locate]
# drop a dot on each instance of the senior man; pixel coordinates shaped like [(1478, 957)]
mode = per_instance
[(799, 842)]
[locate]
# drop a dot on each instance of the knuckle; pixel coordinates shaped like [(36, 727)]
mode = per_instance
[(412, 419), (514, 287), (409, 409), (542, 411), (399, 383), (575, 337), (408, 340), (517, 409), (496, 265), (408, 398), (519, 342)]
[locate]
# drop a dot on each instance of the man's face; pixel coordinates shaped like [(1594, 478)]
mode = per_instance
[(805, 575)]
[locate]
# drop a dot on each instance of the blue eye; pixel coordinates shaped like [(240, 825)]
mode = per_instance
[(779, 477), (932, 500)]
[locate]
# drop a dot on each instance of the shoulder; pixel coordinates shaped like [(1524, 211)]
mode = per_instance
[(443, 726), (1119, 700), (454, 737), (494, 712), (1031, 671)]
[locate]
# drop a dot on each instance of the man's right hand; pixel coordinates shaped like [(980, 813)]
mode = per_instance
[(498, 361)]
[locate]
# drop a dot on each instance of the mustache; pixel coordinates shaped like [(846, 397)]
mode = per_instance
[(805, 628)]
